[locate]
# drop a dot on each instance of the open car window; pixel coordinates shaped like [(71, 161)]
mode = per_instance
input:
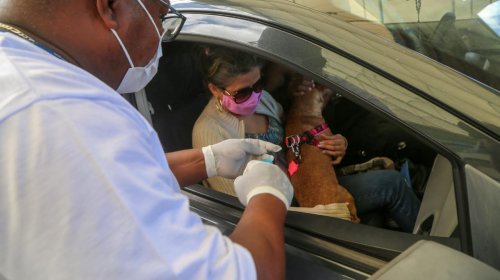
[(178, 100)]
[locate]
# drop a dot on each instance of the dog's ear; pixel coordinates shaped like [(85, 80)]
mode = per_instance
[(326, 95), (319, 87)]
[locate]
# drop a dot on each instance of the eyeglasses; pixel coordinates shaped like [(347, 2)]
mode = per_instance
[(172, 23), (244, 94)]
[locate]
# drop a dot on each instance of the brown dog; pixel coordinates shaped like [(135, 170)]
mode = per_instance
[(315, 181)]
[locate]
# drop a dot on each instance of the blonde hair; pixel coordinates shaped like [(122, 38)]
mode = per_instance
[(219, 65)]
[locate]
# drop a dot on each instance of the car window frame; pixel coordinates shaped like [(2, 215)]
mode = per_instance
[(457, 162), (206, 39)]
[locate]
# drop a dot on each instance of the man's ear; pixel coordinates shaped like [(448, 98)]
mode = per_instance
[(106, 11)]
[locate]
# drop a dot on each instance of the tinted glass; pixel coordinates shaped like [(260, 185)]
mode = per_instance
[(462, 34)]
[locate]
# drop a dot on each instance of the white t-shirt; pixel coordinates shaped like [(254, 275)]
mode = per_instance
[(85, 189)]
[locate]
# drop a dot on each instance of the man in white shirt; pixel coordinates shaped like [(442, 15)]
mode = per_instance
[(85, 189)]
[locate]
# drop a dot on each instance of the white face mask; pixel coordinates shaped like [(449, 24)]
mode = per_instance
[(137, 78)]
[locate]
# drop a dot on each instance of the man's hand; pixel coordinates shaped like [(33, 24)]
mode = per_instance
[(334, 146), (263, 178), (260, 229), (229, 157)]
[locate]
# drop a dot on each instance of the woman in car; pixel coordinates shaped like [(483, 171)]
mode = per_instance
[(240, 108)]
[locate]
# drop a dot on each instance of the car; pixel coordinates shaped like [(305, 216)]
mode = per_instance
[(431, 77)]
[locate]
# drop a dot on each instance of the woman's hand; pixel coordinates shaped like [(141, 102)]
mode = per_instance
[(334, 146)]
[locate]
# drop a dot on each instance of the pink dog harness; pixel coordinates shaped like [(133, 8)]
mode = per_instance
[(294, 141)]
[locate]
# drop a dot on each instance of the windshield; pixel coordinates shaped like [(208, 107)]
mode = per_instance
[(462, 34), (491, 17)]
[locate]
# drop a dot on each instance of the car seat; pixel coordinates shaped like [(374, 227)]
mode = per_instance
[(177, 96), (447, 38), (448, 47)]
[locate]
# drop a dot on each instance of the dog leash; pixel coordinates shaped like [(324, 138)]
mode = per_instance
[(294, 142)]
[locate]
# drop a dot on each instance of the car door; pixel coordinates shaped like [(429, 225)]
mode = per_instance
[(318, 246)]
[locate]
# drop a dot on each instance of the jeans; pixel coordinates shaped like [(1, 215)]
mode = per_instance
[(385, 190)]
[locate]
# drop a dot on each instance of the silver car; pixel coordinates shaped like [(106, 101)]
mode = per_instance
[(432, 73)]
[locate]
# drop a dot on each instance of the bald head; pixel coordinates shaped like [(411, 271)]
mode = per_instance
[(29, 9), (80, 31)]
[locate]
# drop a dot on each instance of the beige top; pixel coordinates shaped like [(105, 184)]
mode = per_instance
[(214, 126)]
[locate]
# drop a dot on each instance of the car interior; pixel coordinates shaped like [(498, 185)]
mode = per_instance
[(176, 97), (466, 45)]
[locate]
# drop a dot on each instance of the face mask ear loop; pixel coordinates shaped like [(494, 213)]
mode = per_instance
[(150, 18), (123, 48)]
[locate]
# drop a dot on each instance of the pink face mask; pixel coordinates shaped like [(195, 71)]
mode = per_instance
[(245, 108)]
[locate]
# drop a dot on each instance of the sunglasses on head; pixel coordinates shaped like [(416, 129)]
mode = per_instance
[(244, 94)]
